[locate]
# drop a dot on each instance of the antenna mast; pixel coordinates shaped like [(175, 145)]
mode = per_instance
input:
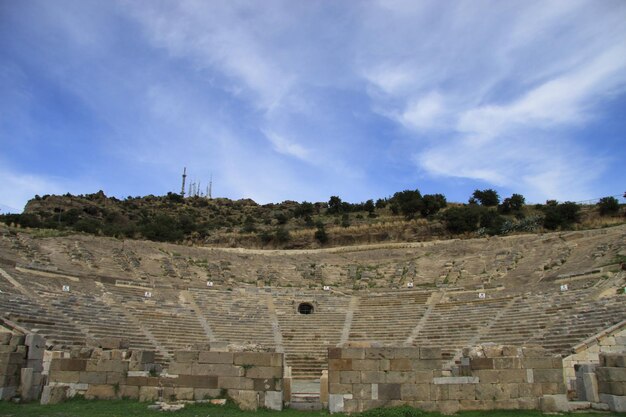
[(210, 187), (182, 190)]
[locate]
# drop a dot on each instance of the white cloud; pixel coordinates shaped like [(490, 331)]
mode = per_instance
[(425, 112), (286, 147)]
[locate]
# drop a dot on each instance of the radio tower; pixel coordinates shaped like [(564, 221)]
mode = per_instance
[(182, 190), (210, 187)]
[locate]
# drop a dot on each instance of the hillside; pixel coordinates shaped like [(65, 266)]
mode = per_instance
[(407, 216)]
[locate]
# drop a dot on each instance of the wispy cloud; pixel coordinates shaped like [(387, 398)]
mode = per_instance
[(285, 100)]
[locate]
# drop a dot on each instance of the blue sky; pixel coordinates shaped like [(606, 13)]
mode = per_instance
[(301, 100)]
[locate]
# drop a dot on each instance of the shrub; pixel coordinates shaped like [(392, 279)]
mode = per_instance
[(608, 206), (487, 198)]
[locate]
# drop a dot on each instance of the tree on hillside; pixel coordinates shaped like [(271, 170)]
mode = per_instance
[(487, 198), (608, 205), (334, 205), (515, 203), (432, 203), (407, 202)]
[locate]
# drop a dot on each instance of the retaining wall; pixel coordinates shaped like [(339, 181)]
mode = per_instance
[(251, 379), (492, 377)]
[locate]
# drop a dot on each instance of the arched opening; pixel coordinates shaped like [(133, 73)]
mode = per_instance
[(305, 308)]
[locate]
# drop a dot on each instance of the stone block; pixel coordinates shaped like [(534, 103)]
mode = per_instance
[(258, 358), (339, 388), (554, 403), (407, 353), (6, 348), (426, 364), (112, 365), (180, 368), (216, 357), (197, 381), (129, 391), (14, 358), (439, 392), (115, 378), (488, 392), (389, 392), (64, 376), (455, 380), (378, 353), (370, 377), (100, 392), (237, 383), (548, 375), (218, 369), (340, 364), (590, 388), (17, 340), (274, 400), (68, 365), (246, 400), (512, 375), (5, 338), (430, 353), (92, 377), (364, 365), (534, 352), (399, 377), (350, 377), (335, 403), (205, 393), (481, 363), (54, 394), (148, 394), (513, 351), (415, 392), (264, 372), (507, 363), (537, 363), (334, 353), (403, 364), (616, 403), (186, 356), (353, 353), (183, 393), (266, 384)]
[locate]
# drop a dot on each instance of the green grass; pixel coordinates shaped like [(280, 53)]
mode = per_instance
[(127, 408)]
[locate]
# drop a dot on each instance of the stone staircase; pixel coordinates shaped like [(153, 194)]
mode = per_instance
[(307, 337)]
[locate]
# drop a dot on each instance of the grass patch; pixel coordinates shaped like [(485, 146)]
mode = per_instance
[(127, 408)]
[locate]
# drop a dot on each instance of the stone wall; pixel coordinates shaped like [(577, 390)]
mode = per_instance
[(611, 340), (488, 377), (251, 379), (611, 374), (21, 366)]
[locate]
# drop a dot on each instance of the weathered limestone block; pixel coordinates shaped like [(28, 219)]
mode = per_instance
[(129, 391), (5, 338), (245, 399), (617, 403), (274, 400), (554, 403), (148, 394), (101, 392), (258, 359), (236, 383), (186, 356), (335, 403), (216, 357), (92, 377), (54, 394)]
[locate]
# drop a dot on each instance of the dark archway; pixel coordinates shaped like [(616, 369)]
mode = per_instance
[(305, 308)]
